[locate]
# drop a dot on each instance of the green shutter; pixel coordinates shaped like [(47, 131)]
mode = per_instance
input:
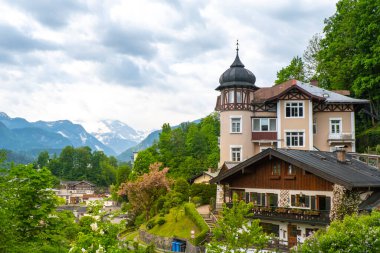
[(328, 203), (293, 200), (313, 202)]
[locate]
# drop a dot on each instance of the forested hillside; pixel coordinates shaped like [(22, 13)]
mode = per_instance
[(186, 150), (83, 164)]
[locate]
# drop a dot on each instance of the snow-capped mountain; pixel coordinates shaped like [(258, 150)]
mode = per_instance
[(21, 135), (117, 135)]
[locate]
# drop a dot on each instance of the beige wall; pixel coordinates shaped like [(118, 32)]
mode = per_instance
[(323, 128), (202, 179), (295, 124), (228, 139), (258, 146)]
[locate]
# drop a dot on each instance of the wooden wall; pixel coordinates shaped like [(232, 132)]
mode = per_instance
[(260, 175)]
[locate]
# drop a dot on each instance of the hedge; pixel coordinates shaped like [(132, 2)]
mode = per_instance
[(193, 214)]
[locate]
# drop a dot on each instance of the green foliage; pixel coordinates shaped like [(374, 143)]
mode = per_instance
[(197, 201), (150, 224), (161, 221), (28, 220), (295, 70), (349, 57), (187, 150), (82, 164), (193, 214), (235, 232), (204, 191), (356, 233)]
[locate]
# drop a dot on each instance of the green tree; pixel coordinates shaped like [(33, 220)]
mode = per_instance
[(356, 233), (234, 232), (295, 70), (42, 159), (349, 57), (144, 159), (310, 57)]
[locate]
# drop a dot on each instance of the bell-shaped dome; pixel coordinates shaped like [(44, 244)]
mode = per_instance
[(237, 76)]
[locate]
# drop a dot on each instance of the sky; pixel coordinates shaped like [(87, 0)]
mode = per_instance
[(142, 62)]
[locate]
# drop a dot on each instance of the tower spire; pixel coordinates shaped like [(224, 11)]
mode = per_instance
[(237, 46)]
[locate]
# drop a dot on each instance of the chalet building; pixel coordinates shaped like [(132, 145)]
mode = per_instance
[(292, 115), (292, 190), (283, 141), (73, 191)]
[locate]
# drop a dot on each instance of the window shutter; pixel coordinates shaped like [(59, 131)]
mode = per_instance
[(313, 202), (293, 201), (263, 199), (247, 197), (328, 203)]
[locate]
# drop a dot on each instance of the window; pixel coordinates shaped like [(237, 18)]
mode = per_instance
[(276, 168), (291, 170), (264, 125), (236, 125), (314, 126), (294, 139), (257, 198), (231, 96), (272, 199), (335, 126), (238, 97), (294, 109), (236, 154), (300, 200)]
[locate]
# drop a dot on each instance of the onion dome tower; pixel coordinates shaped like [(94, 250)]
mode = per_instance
[(236, 86)]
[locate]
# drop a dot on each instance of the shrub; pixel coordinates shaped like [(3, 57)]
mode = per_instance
[(161, 221), (182, 186), (204, 191), (150, 248), (140, 219), (150, 224), (196, 200), (193, 214)]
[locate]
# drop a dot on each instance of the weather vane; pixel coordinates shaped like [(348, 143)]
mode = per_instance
[(237, 46)]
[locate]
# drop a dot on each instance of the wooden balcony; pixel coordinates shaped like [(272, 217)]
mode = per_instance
[(264, 136), (315, 217)]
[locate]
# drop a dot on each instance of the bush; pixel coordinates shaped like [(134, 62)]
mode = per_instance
[(204, 191), (150, 224), (161, 221), (140, 219), (196, 200), (150, 248), (193, 214), (182, 186)]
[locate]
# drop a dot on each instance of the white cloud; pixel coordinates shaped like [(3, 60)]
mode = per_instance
[(142, 62)]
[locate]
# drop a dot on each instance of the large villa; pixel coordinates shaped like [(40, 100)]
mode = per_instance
[(289, 148)]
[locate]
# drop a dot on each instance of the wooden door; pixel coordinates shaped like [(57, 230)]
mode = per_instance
[(292, 235)]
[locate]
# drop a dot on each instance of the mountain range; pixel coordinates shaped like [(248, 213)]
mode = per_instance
[(30, 138)]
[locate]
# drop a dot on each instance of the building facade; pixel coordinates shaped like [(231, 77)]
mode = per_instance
[(292, 190), (292, 115)]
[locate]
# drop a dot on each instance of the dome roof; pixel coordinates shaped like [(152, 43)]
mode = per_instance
[(237, 76)]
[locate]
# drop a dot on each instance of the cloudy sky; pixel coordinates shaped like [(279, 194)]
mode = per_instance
[(141, 62)]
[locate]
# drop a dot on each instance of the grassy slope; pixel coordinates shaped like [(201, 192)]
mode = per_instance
[(181, 229)]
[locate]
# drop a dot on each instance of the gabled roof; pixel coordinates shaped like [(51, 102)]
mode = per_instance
[(76, 182), (351, 174), (314, 92)]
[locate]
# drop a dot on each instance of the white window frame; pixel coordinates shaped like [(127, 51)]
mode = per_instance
[(260, 119), (298, 102), (331, 125), (240, 124), (300, 207), (295, 131), (241, 153)]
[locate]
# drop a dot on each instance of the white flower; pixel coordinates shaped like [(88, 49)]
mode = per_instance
[(94, 226), (101, 232), (83, 250)]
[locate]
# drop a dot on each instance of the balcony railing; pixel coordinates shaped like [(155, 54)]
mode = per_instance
[(291, 214), (341, 136)]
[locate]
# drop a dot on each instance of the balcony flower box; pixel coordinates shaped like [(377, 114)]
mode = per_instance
[(296, 211), (281, 210), (311, 212)]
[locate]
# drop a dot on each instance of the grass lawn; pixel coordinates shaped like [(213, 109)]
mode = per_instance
[(172, 228)]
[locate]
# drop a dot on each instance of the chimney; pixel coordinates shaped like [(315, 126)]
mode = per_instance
[(341, 154), (314, 83)]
